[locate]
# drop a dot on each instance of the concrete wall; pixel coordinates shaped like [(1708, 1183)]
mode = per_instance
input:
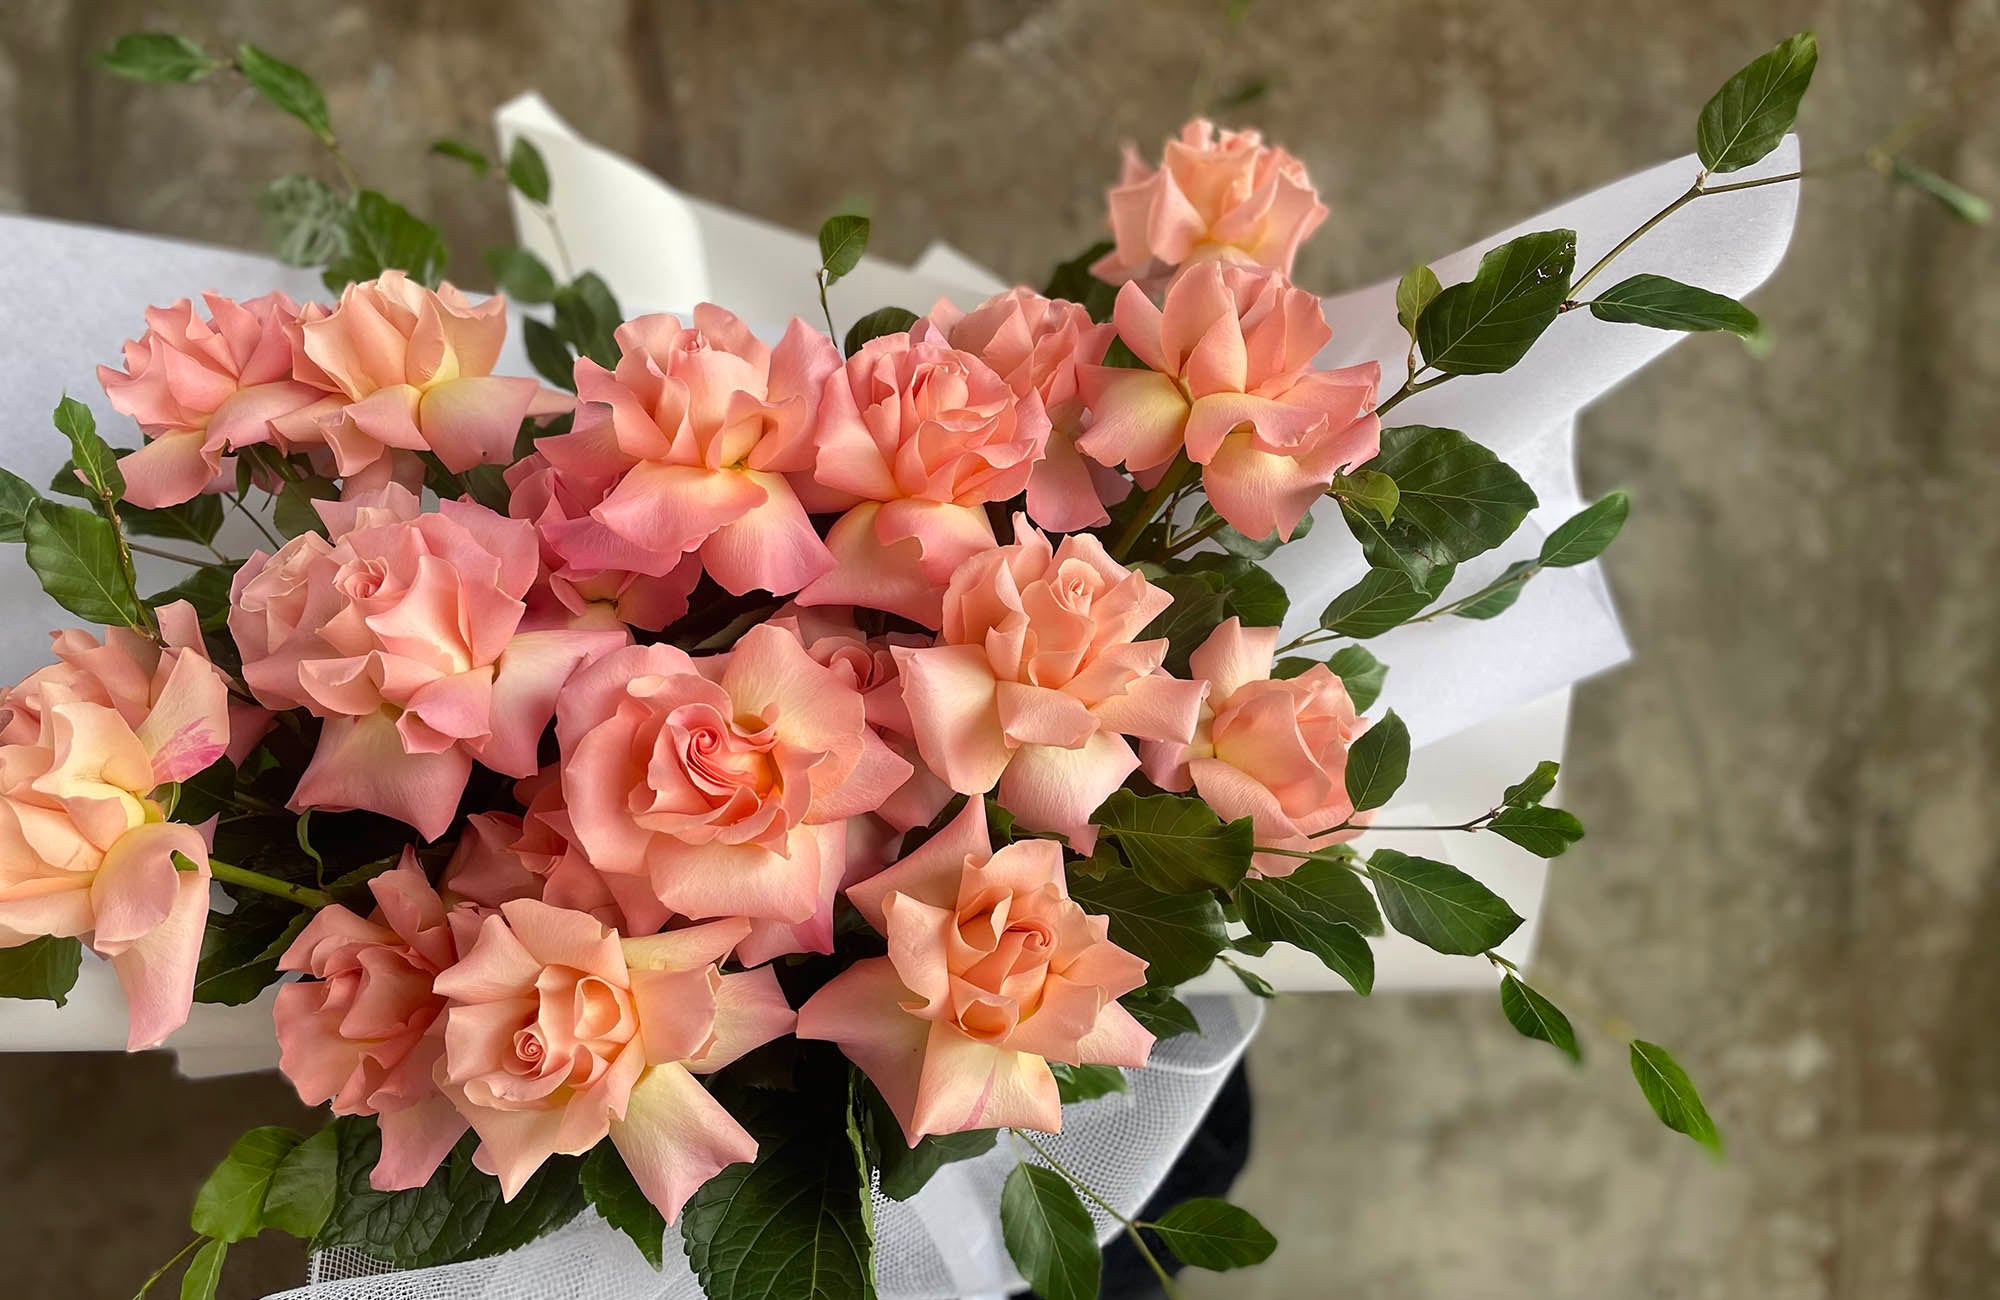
[(1790, 875)]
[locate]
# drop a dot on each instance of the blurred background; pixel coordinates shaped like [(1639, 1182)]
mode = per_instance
[(1791, 871)]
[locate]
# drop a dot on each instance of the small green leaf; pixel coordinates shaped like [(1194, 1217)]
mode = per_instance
[(1161, 1014), (230, 1205), (1256, 984), (472, 157), (1322, 908), (882, 321), (1377, 762), (587, 316), (17, 496), (842, 240), (549, 355), (1414, 293), (382, 235), (1076, 1083), (1361, 673), (1049, 1234), (43, 969), (1961, 202), (1176, 843), (1177, 935), (1664, 304), (1537, 1017), (1438, 905), (612, 1191), (1212, 1234), (1585, 534), (1672, 1094), (90, 454), (526, 170), (74, 554), (1499, 595), (158, 57), (1368, 489), (1747, 118), (287, 88), (520, 274), (1489, 322), (294, 514), (1534, 787), (303, 1186), (305, 220), (1544, 832), (204, 1271), (1382, 600)]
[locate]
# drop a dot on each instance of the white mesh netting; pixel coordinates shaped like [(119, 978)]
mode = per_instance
[(943, 1244)]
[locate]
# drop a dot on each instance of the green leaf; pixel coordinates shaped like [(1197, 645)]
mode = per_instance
[(1747, 118), (472, 157), (1438, 905), (1176, 843), (1499, 595), (1361, 673), (526, 170), (1248, 591), (196, 520), (520, 274), (90, 454), (1076, 1083), (587, 315), (305, 220), (287, 88), (549, 355), (1414, 293), (41, 969), (842, 240), (1961, 202), (1073, 281), (1216, 1235), (1537, 1017), (1672, 1094), (230, 1205), (1585, 534), (294, 514), (1489, 322), (1049, 1234), (303, 1185), (1377, 762), (207, 589), (1161, 1014), (1322, 908), (158, 57), (17, 496), (1370, 490), (905, 1169), (1382, 600), (1177, 935), (204, 1271), (1254, 983), (1199, 603), (382, 235), (1236, 543), (612, 1191), (1455, 499), (74, 554), (882, 321), (1534, 787), (1664, 304), (1544, 832)]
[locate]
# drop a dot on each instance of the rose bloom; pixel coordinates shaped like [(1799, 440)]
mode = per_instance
[(363, 1032), (1036, 344), (1231, 383), (1216, 195), (1273, 751), (558, 1035), (85, 850), (408, 369), (993, 971), (199, 389), (696, 430), (922, 436), (558, 504), (722, 781), (1036, 681), (407, 634)]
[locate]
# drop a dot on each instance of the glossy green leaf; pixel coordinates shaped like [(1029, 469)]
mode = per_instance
[(1076, 1083), (1049, 1235), (1381, 600), (1361, 673), (1537, 1017), (1438, 905), (43, 969), (1664, 304), (17, 496), (1377, 762), (91, 455), (1499, 595), (843, 238), (1747, 118), (1177, 935), (882, 321), (1176, 843), (1544, 832), (1215, 1235), (294, 513), (1322, 908), (287, 88), (904, 1169), (1489, 322), (1414, 293), (1672, 1094), (1370, 490), (1455, 500), (195, 520), (1585, 534), (1535, 787), (74, 553), (1162, 1014), (1255, 984)]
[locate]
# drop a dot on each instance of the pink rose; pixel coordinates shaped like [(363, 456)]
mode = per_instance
[(1036, 681), (1036, 344), (993, 971), (922, 435), (696, 430), (723, 781), (364, 1033), (199, 389), (558, 1035), (85, 850), (1232, 384), (1222, 195), (407, 635), (558, 504), (409, 369), (1274, 751)]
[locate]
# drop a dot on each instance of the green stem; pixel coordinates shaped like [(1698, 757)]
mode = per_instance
[(825, 310), (1201, 534), (1131, 1226), (189, 560), (256, 523), (1411, 387), (1149, 505), (1700, 189), (161, 1271), (1498, 584), (244, 878)]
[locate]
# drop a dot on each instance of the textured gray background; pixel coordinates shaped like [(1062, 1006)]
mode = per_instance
[(1790, 875)]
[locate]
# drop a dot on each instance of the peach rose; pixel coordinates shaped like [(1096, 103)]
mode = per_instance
[(1273, 751), (408, 369), (558, 504), (363, 1032), (922, 435), (723, 781), (1232, 384), (407, 635), (993, 971), (1035, 344), (200, 389), (558, 1035), (1036, 681), (696, 429), (1216, 195), (85, 850)]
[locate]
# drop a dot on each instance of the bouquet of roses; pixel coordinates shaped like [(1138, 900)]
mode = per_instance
[(739, 765)]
